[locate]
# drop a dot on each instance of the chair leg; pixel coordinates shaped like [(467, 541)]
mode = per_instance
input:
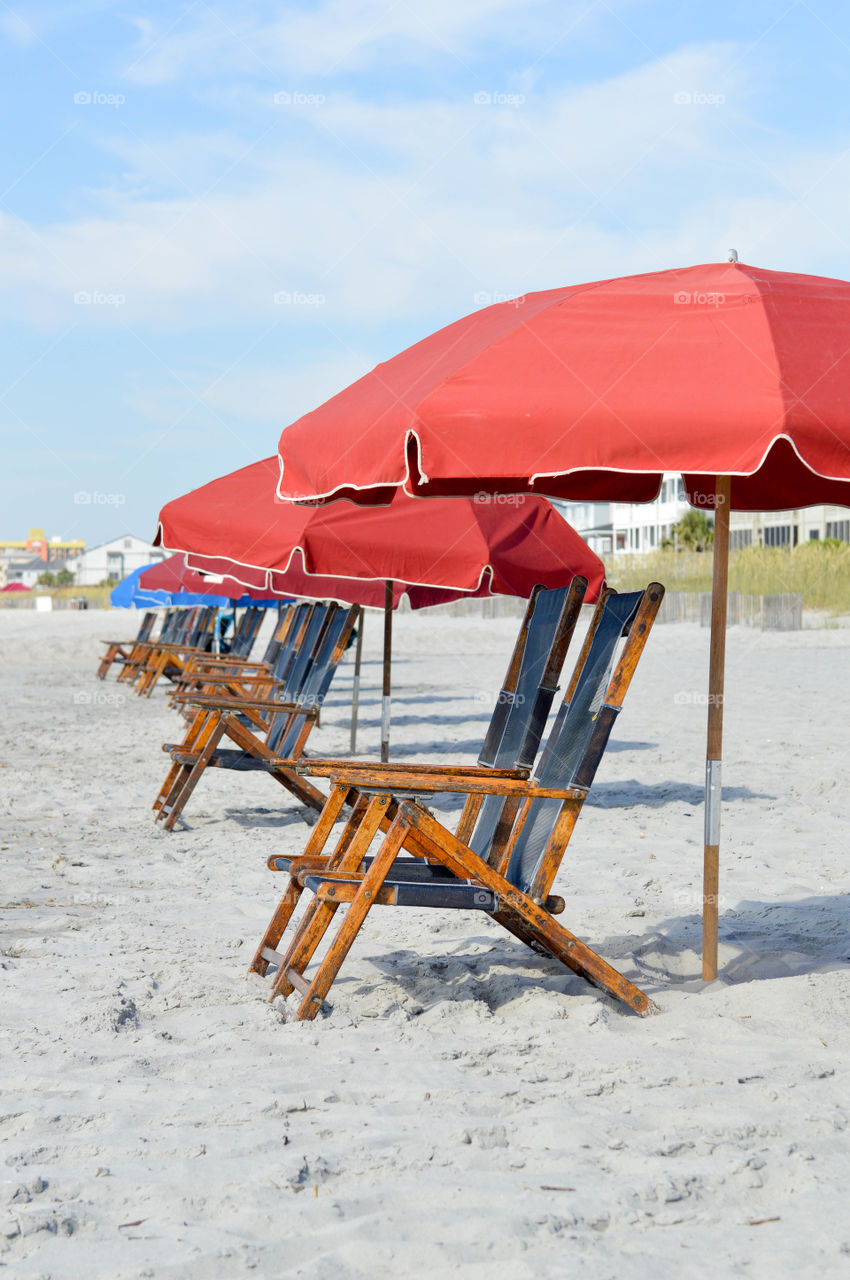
[(318, 916), (175, 807), (352, 922), (191, 742), (533, 919), (318, 839)]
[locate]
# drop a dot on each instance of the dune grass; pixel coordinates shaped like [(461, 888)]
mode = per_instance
[(820, 572)]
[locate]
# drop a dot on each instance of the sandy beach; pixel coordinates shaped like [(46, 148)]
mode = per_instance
[(465, 1108)]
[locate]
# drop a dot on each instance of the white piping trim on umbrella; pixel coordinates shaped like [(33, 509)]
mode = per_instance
[(407, 481), (487, 569)]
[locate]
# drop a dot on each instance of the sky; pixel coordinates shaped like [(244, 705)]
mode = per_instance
[(214, 216)]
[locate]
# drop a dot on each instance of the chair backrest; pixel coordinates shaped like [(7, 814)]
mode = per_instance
[(283, 735), (279, 635), (173, 621), (146, 628), (202, 634), (169, 621), (246, 632), (303, 651), (580, 732), (525, 700)]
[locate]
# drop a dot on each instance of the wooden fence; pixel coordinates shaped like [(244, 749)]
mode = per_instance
[(768, 613)]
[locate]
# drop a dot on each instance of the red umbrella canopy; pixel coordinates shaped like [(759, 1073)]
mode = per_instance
[(483, 546), (15, 586), (594, 391), (174, 575)]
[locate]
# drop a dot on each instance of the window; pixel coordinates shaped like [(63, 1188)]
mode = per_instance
[(128, 543), (777, 535), (621, 542), (814, 535), (838, 529), (740, 538), (680, 490)]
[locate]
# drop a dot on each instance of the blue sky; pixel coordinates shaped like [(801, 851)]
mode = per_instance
[(215, 215)]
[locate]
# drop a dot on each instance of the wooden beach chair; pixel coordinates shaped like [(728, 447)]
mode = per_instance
[(279, 725), (174, 624), (506, 872), (120, 650), (509, 748), (131, 665), (203, 672), (248, 679), (169, 659)]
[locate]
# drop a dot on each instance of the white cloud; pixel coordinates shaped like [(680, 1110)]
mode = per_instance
[(326, 38), (383, 211)]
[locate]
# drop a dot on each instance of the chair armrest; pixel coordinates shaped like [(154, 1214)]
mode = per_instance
[(238, 704), (348, 768), (324, 768), (414, 782)]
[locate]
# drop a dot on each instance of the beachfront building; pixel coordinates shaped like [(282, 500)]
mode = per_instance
[(622, 528), (36, 544), (112, 561), (788, 528)]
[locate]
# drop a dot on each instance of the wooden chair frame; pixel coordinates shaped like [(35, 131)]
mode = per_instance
[(527, 913)]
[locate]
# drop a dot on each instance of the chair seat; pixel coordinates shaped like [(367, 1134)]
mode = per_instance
[(436, 891)]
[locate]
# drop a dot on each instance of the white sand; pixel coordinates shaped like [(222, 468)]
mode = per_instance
[(467, 1108)]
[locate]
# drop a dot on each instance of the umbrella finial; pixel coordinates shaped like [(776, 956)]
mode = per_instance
[(731, 255)]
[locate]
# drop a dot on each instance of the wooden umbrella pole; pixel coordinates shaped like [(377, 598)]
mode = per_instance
[(714, 746), (355, 684), (388, 657)]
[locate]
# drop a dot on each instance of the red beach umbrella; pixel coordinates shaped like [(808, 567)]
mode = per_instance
[(174, 576), (737, 377), (432, 552)]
